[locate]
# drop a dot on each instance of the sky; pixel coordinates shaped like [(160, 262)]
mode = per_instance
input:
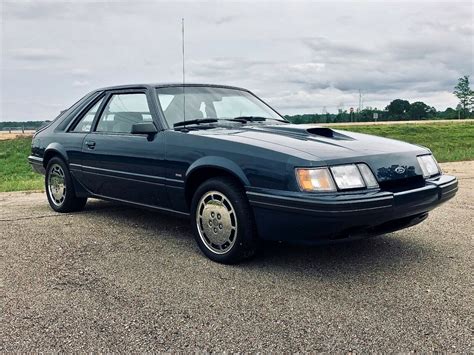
[(299, 56)]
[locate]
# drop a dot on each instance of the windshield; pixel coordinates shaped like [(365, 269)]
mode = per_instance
[(210, 102)]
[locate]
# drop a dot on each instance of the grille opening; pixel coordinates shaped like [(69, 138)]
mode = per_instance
[(409, 183)]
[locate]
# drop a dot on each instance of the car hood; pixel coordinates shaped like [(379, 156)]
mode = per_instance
[(327, 146)]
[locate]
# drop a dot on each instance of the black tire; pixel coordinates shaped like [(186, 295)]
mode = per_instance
[(69, 202), (244, 242)]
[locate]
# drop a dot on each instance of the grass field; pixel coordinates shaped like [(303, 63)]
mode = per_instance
[(15, 172), (448, 141)]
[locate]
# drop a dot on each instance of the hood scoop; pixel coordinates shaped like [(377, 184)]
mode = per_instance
[(308, 130), (328, 133), (321, 131)]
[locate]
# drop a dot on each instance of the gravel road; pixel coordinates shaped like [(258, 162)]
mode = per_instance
[(113, 278)]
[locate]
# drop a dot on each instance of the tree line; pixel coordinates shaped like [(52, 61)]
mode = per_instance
[(27, 125), (399, 110)]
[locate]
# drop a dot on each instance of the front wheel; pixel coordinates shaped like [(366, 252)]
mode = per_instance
[(222, 221), (59, 188)]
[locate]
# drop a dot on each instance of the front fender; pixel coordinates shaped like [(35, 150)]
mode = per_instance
[(218, 163)]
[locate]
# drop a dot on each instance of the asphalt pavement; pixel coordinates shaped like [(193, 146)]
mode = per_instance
[(114, 278)]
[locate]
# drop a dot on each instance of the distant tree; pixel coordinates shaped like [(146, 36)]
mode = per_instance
[(465, 95), (448, 113), (26, 124), (367, 114), (398, 107), (419, 110)]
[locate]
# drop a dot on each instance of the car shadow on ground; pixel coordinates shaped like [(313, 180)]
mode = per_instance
[(394, 250)]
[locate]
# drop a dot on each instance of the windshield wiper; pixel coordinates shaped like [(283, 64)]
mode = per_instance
[(245, 119), (195, 121)]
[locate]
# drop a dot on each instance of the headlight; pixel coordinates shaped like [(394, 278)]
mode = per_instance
[(318, 179), (351, 176), (347, 176), (428, 165), (369, 178)]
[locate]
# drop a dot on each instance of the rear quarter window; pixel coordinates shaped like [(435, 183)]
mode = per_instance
[(71, 113), (84, 124)]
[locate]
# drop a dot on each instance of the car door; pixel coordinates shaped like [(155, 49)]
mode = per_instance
[(72, 140), (120, 165)]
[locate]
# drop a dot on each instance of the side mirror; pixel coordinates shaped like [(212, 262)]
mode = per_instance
[(144, 128)]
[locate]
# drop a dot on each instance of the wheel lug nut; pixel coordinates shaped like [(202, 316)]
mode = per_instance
[(215, 230), (212, 214), (218, 216), (210, 222), (220, 226)]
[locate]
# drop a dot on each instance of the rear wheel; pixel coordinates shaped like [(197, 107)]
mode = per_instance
[(222, 220), (59, 188)]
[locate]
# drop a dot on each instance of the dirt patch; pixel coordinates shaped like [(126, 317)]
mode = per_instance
[(13, 135)]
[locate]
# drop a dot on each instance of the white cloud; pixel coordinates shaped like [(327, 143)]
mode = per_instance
[(80, 83), (80, 71), (299, 56), (36, 54)]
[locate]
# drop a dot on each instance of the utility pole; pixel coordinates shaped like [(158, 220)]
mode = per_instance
[(360, 100), (324, 113)]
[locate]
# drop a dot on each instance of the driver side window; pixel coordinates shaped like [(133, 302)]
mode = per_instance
[(122, 112)]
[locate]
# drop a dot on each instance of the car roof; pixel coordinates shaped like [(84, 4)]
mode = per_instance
[(155, 85)]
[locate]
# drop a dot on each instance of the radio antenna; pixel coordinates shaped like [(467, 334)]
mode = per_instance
[(184, 77)]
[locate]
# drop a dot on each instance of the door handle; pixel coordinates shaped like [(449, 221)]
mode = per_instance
[(90, 144)]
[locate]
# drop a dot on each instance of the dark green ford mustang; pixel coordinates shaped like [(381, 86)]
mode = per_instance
[(238, 169)]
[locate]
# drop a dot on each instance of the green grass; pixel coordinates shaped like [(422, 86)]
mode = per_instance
[(448, 141), (15, 172)]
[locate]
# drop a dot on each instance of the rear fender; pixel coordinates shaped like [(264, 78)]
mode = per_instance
[(54, 149)]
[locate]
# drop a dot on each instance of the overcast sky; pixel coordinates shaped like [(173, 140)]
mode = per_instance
[(300, 56)]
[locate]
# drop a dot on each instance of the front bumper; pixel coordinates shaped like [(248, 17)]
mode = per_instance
[(296, 216)]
